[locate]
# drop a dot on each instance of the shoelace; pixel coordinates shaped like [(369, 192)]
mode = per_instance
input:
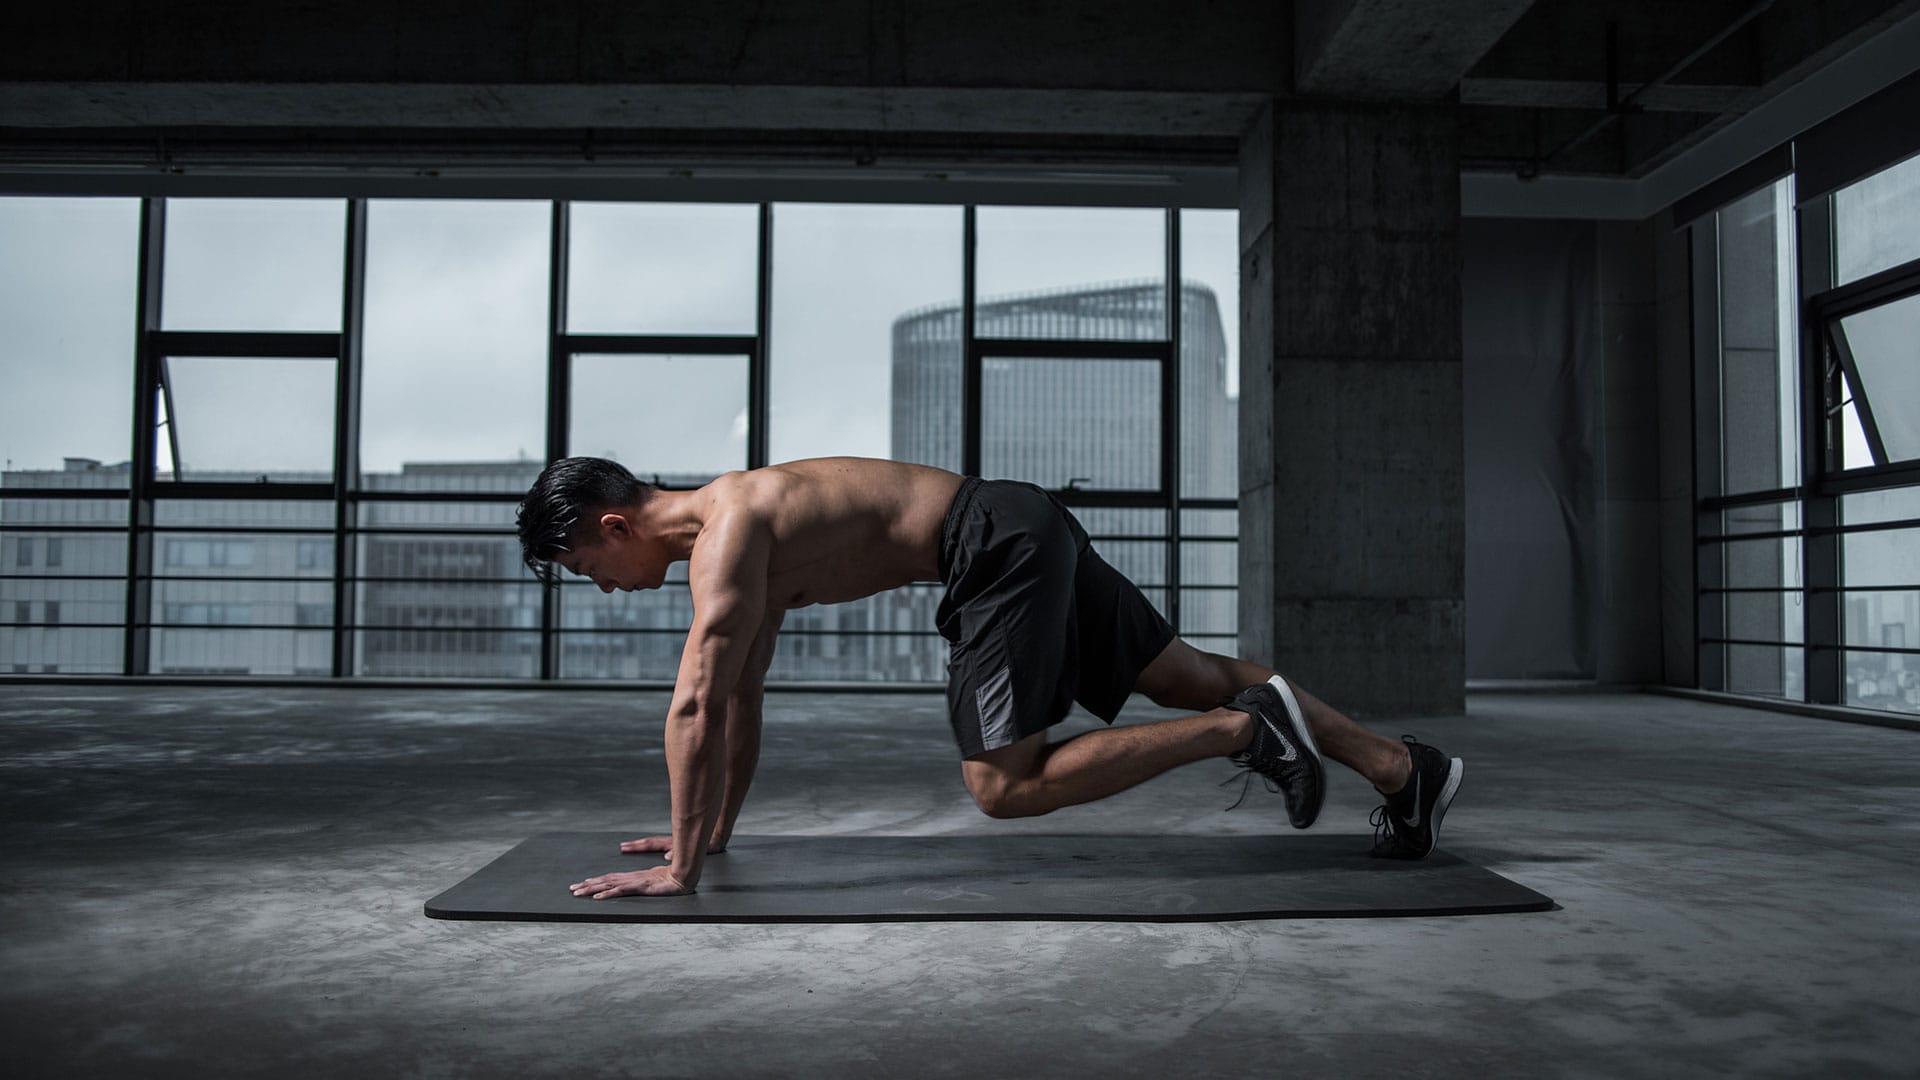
[(1384, 834), (1246, 776)]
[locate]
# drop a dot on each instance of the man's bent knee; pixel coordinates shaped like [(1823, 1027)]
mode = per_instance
[(1001, 781)]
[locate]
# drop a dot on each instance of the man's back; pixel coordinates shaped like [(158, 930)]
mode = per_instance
[(840, 528)]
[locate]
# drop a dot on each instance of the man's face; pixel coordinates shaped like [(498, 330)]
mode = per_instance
[(618, 560)]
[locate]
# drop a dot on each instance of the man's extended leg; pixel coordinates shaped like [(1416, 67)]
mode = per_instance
[(1183, 677)]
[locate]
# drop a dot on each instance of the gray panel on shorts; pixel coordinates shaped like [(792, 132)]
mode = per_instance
[(994, 701)]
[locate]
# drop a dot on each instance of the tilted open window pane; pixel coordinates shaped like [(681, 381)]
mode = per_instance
[(1071, 273), (67, 285), (663, 268), (850, 286), (238, 419), (682, 419), (455, 368), (1090, 424), (254, 264), (1876, 222), (1882, 345)]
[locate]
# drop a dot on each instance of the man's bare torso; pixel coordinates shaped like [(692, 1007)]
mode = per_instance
[(841, 528)]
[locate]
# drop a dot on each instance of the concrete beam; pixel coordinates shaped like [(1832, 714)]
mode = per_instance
[(1399, 49), (52, 105), (1583, 94)]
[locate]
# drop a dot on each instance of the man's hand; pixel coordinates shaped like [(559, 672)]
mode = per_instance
[(664, 845), (658, 881)]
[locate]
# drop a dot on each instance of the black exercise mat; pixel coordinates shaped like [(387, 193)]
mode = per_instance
[(1098, 878)]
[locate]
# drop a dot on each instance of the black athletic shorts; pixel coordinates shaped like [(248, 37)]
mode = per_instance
[(1036, 619)]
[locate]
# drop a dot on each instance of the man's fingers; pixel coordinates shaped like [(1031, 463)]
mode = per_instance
[(649, 843)]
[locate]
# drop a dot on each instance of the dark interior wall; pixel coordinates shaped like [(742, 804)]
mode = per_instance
[(1562, 333), (1531, 360)]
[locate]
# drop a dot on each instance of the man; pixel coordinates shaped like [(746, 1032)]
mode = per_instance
[(1035, 619)]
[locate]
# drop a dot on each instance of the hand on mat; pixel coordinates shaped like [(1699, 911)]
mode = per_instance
[(664, 845), (658, 881)]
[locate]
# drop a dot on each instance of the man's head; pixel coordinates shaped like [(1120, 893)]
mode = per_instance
[(576, 506)]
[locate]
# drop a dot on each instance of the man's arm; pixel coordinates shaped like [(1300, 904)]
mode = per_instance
[(743, 741), (728, 577)]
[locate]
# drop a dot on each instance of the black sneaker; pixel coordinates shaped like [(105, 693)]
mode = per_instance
[(1282, 752), (1407, 825)]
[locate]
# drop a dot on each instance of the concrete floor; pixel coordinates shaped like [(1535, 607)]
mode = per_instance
[(211, 883)]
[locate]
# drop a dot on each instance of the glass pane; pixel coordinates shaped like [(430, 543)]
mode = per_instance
[(614, 655), (1209, 611), (1876, 222), (68, 284), (242, 603), (57, 601), (663, 268), (1093, 424), (201, 555), (1752, 564), (1885, 342), (244, 514), (1209, 354), (453, 558), (1209, 562), (442, 622), (447, 654), (1762, 616), (1887, 619), (61, 651), (1877, 680), (682, 419), (440, 516), (1071, 272), (246, 420), (30, 511), (584, 607), (1766, 670), (1885, 557), (1764, 518), (456, 328), (1893, 504), (1143, 562), (1759, 402), (1104, 521), (247, 651), (1210, 523), (254, 264), (849, 375)]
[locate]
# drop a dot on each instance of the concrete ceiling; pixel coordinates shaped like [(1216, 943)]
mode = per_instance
[(1579, 88)]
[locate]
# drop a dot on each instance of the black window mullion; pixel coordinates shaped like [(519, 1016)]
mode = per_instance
[(559, 382), (1821, 547), (971, 366), (140, 479), (346, 433), (759, 372), (1171, 370)]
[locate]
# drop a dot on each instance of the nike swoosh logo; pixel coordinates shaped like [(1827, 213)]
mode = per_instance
[(1414, 818), (1291, 754)]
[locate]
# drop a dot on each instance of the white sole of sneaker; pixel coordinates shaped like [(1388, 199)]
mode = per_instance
[(1455, 770), (1297, 720)]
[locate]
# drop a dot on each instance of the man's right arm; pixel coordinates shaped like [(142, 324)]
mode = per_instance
[(743, 741)]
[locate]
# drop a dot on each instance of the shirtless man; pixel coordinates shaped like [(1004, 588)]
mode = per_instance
[(1035, 619)]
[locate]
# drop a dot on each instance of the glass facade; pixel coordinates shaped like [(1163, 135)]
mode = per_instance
[(1808, 526), (297, 451)]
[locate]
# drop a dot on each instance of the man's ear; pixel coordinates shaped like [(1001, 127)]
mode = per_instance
[(613, 525)]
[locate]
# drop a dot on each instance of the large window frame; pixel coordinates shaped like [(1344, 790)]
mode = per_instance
[(1826, 379), (147, 495)]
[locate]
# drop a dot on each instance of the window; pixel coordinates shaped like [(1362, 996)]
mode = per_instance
[(1071, 273), (23, 551), (53, 612), (662, 268), (682, 418), (1876, 222), (456, 328), (1072, 423), (254, 264), (54, 552), (246, 419)]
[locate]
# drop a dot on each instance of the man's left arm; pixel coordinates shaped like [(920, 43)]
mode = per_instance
[(728, 577)]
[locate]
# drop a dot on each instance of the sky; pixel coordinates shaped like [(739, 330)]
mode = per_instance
[(456, 320)]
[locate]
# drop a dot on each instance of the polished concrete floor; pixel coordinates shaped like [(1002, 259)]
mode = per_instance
[(228, 882)]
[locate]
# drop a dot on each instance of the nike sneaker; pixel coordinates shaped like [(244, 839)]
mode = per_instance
[(1282, 753), (1407, 825)]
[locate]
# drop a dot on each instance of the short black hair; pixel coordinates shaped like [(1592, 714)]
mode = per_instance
[(571, 494)]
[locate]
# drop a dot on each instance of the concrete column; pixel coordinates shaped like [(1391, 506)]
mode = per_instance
[(1352, 487)]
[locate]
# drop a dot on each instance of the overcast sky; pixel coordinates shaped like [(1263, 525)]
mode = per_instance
[(456, 320)]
